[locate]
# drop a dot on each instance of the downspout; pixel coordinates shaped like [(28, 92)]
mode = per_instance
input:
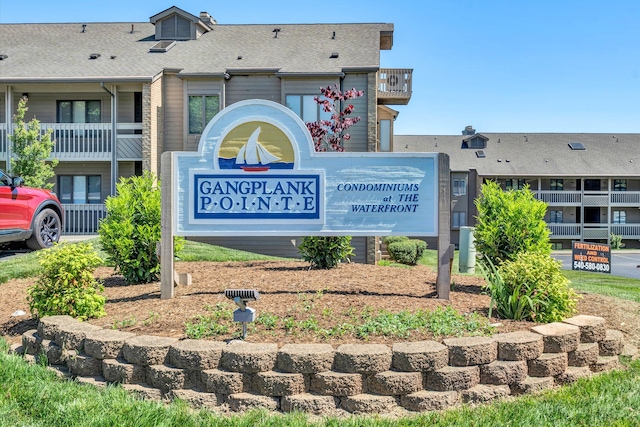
[(8, 104), (114, 136)]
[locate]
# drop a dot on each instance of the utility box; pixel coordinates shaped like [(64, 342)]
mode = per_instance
[(467, 251)]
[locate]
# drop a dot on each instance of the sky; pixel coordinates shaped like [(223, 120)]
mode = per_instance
[(498, 65)]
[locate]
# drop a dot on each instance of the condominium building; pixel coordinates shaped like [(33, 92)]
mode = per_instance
[(118, 95), (591, 182)]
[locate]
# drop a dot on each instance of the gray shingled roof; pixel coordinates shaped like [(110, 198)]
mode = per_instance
[(535, 154), (52, 52)]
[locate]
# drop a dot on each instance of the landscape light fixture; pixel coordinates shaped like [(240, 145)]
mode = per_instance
[(243, 314)]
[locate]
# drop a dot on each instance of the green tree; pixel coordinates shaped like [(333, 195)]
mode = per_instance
[(31, 150), (510, 222), (131, 228)]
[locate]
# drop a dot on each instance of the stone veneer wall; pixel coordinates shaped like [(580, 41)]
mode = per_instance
[(316, 378)]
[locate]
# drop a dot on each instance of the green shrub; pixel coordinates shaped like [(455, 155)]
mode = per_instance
[(326, 252), (391, 239), (66, 285), (131, 228), (616, 241), (531, 287), (404, 252), (421, 246), (510, 222)]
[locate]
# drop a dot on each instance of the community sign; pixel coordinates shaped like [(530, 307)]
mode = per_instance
[(256, 173)]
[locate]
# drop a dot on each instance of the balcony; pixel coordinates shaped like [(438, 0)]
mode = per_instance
[(87, 141), (394, 86), (593, 231), (590, 198), (560, 198)]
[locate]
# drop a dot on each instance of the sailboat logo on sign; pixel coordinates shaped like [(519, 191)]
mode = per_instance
[(256, 147)]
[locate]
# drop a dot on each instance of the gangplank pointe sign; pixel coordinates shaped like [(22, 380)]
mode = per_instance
[(591, 257), (256, 174)]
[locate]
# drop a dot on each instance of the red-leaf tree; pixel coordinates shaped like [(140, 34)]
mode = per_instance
[(329, 134)]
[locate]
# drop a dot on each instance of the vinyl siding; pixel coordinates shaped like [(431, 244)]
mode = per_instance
[(358, 132), (126, 107), (281, 246), (239, 88), (173, 114)]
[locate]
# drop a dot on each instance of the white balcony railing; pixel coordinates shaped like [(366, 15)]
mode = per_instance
[(395, 85), (625, 198), (87, 141), (593, 231), (82, 219), (566, 198), (627, 231), (565, 231)]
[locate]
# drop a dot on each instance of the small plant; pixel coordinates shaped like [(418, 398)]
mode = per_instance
[(152, 318), (326, 252), (616, 241), (531, 287), (215, 323), (268, 320), (289, 324), (125, 323), (66, 285)]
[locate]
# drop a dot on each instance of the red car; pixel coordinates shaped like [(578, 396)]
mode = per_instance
[(28, 214)]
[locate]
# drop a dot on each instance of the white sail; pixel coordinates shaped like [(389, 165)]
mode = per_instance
[(253, 153)]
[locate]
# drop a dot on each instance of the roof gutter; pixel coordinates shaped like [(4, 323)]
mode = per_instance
[(119, 79), (338, 74)]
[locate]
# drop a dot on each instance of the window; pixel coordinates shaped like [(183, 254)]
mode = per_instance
[(619, 185), (459, 187), (80, 189), (556, 185), (459, 219), (619, 217), (202, 108), (555, 217), (556, 246), (514, 184), (78, 112), (307, 108)]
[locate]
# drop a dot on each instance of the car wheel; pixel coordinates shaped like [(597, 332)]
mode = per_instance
[(46, 230)]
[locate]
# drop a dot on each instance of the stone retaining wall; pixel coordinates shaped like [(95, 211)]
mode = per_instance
[(316, 378)]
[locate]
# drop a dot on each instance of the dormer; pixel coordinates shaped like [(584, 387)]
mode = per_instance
[(477, 141), (176, 24)]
